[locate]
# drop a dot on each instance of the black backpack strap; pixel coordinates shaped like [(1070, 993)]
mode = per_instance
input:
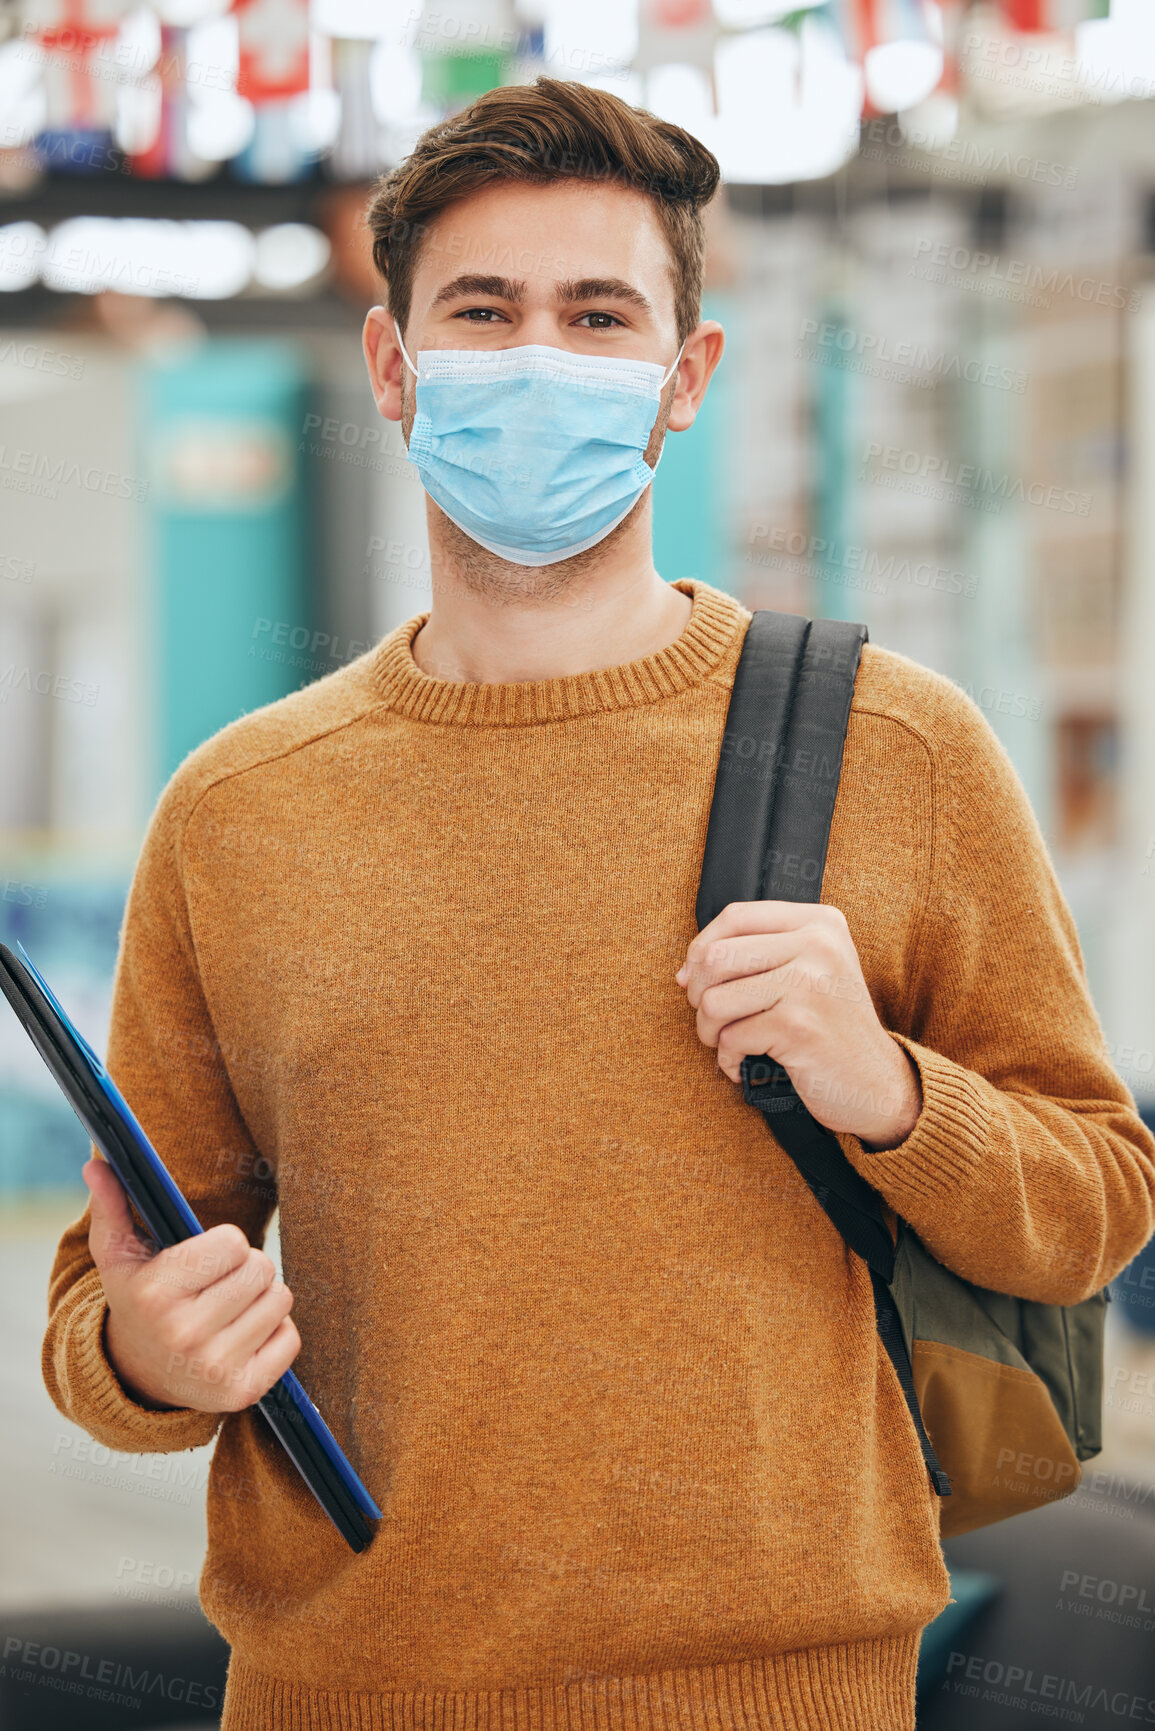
[(769, 827), (797, 831), (753, 747), (799, 827)]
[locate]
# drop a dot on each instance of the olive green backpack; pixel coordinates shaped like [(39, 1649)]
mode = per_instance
[(1005, 1394)]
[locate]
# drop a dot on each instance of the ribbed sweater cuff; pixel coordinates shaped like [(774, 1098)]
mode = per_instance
[(947, 1143), (91, 1393), (868, 1685)]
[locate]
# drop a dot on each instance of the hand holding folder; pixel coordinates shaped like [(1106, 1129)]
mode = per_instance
[(203, 1324), (168, 1220)]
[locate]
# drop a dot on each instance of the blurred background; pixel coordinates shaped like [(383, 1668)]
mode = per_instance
[(934, 258)]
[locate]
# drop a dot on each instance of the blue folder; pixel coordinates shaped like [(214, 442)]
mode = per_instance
[(167, 1217)]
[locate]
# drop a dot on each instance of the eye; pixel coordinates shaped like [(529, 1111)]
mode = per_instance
[(614, 320), (487, 314)]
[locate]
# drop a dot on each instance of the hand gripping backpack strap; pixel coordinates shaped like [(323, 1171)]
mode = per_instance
[(767, 838)]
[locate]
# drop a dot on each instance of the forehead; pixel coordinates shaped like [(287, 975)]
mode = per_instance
[(546, 235)]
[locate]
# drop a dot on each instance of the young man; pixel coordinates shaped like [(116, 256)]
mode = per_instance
[(412, 954)]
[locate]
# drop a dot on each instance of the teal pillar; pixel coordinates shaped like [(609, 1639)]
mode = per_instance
[(226, 432), (832, 501), (999, 665), (693, 521)]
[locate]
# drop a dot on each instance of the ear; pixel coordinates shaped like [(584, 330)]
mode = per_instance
[(700, 356), (384, 360)]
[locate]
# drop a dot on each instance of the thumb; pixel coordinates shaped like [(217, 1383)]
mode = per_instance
[(112, 1236)]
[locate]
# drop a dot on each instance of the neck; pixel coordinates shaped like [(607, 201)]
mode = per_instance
[(600, 609)]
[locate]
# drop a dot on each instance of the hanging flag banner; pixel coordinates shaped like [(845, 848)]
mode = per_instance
[(1038, 17), (75, 36), (166, 153), (1027, 14), (274, 48), (899, 45), (681, 33)]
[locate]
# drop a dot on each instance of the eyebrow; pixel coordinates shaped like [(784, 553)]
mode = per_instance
[(501, 288), (603, 288), (589, 288)]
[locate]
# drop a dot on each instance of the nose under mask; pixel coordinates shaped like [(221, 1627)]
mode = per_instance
[(536, 453)]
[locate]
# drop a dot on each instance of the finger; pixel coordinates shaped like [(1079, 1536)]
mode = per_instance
[(753, 1036), (737, 958), (740, 919), (113, 1239), (270, 1363), (226, 1299), (737, 1000), (745, 994), (237, 1343), (198, 1263), (748, 919)]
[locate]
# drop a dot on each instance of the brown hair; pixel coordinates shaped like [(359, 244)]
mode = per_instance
[(550, 130)]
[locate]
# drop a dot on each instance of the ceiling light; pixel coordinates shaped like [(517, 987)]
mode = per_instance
[(289, 255), (23, 101), (220, 126), (905, 63), (789, 104), (22, 249)]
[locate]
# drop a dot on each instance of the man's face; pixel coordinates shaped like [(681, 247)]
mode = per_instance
[(576, 265)]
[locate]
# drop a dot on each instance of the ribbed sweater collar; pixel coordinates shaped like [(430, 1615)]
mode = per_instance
[(711, 628)]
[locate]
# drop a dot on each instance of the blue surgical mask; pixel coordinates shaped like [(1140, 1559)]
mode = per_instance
[(535, 452)]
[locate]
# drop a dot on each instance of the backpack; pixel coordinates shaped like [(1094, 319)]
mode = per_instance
[(1005, 1394)]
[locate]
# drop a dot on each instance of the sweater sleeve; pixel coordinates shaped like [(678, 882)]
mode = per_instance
[(164, 1056), (1029, 1170)]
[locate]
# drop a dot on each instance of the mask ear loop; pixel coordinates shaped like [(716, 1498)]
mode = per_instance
[(674, 367), (409, 363)]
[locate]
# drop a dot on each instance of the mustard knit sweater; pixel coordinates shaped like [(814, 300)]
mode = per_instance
[(399, 956)]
